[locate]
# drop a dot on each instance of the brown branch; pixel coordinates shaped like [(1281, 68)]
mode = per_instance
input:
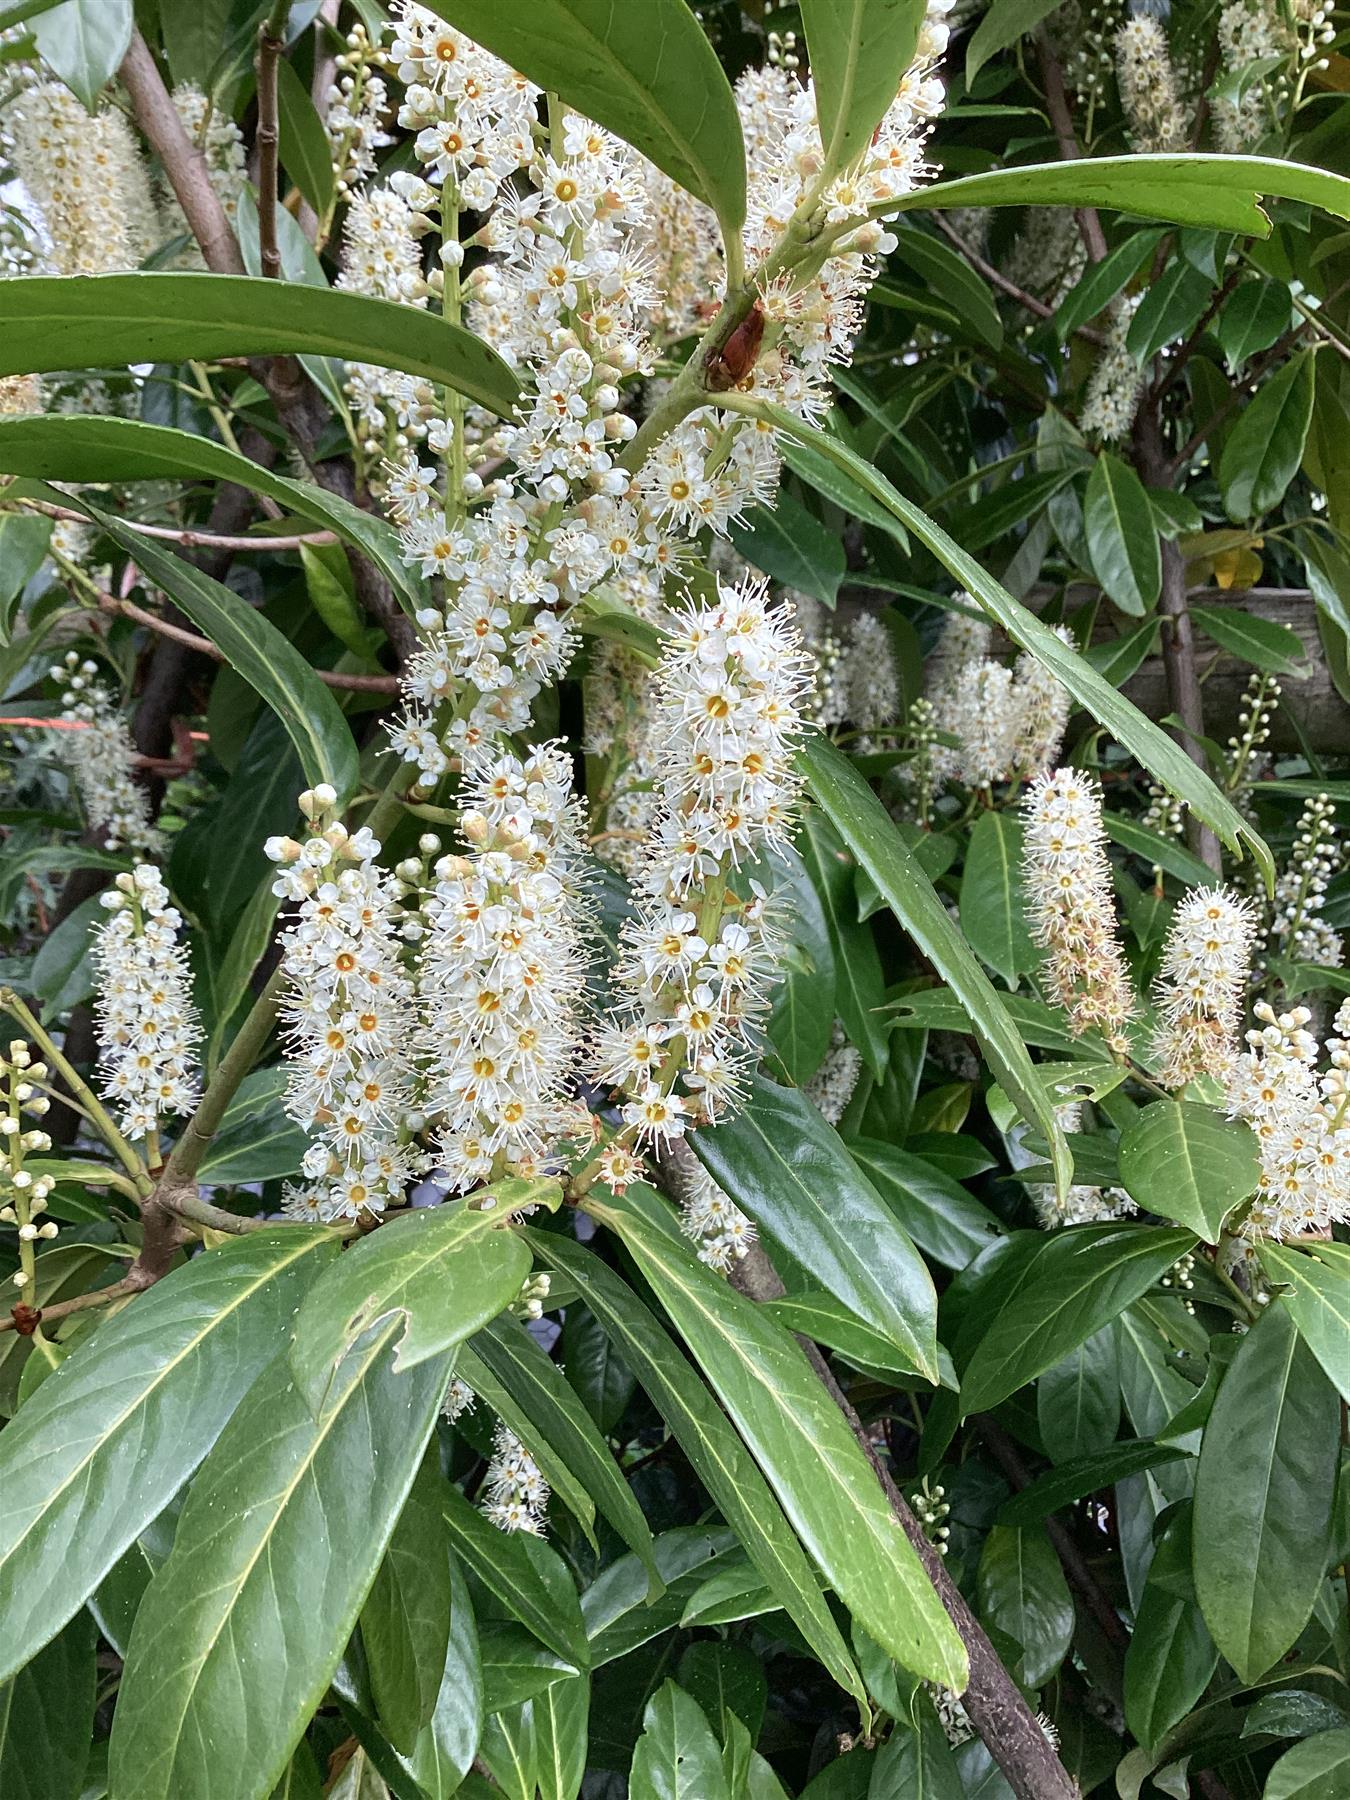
[(357, 684), (26, 1319), (192, 539), (1057, 105), (270, 47), (998, 279), (992, 1700), (1171, 371)]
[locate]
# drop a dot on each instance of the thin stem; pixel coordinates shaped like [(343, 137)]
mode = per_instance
[(187, 1155), (271, 43), (190, 538), (996, 278)]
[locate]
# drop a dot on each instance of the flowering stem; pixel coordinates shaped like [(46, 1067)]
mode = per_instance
[(182, 1166), (93, 1107)]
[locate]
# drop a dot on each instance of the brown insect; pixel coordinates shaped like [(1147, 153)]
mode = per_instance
[(733, 361)]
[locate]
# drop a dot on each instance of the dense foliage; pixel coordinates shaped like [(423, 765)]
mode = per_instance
[(676, 1076)]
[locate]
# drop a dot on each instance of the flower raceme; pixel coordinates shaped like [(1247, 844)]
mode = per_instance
[(694, 958), (99, 752), (1202, 985), (1301, 1117), (147, 1025)]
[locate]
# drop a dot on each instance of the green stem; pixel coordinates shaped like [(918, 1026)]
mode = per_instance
[(182, 1166)]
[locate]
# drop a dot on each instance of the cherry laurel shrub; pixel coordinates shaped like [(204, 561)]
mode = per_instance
[(656, 1136)]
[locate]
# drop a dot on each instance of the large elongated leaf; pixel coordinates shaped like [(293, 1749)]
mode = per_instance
[(870, 833), (1146, 742), (1265, 447), (284, 1528), (405, 1622), (1218, 191), (945, 1221), (1318, 1275), (859, 986), (445, 1750), (47, 1718), (646, 73), (50, 322), (1171, 1655), (713, 1448), (90, 447), (1073, 1284), (859, 50), (993, 908), (84, 41), (108, 1439), (779, 1160), (525, 1575), (254, 648), (561, 1717), (1188, 1163), (1084, 1475), (1022, 1592), (534, 1434), (801, 1441), (1316, 1769), (677, 1757), (1122, 538), (1263, 1495), (444, 1271), (538, 1387)]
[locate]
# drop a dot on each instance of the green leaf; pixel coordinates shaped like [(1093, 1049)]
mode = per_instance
[(1075, 1282), (1100, 282), (60, 1274), (1318, 1275), (1187, 1162), (1316, 1769), (1220, 192), (84, 41), (306, 154), (1170, 307), (946, 1222), (281, 1536), (254, 648), (677, 1756), (107, 1441), (1252, 319), (727, 1681), (405, 1622), (859, 983), (539, 1388), (993, 907), (193, 36), (524, 1575), (821, 470), (1166, 761), (97, 448), (1265, 447), (52, 322), (1264, 643), (1002, 25), (1085, 1475), (792, 545), (801, 1441), (647, 74), (595, 1368), (24, 538), (1158, 851), (445, 1271), (47, 1718), (1122, 538), (618, 1618), (1078, 1400), (561, 1717), (869, 832), (445, 1750), (715, 1452), (1171, 1655), (916, 1761), (1022, 1592), (944, 271), (1263, 1495), (256, 1140), (859, 51), (516, 1666), (783, 1164)]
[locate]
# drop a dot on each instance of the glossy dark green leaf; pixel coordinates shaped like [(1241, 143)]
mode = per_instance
[(1168, 309), (444, 1751), (945, 272), (869, 832), (1264, 643), (859, 987), (1265, 447), (823, 472), (1078, 1400), (254, 648), (444, 1271), (524, 1575), (615, 1607), (1147, 742), (792, 545), (1316, 1769), (1002, 24), (257, 1139), (916, 1762), (24, 538), (1085, 1475), (1217, 191), (788, 1169), (649, 75), (516, 1667), (993, 907), (946, 1222), (801, 1441), (804, 1001), (1171, 1655), (1022, 1593), (306, 154), (1075, 1282), (60, 1273), (102, 448), (1187, 1162), (539, 1388), (726, 1678), (677, 1756), (718, 1456), (47, 1718), (277, 1546), (561, 1717), (83, 42), (1318, 1276), (106, 1442), (595, 1367), (405, 1622), (1101, 282), (1122, 538), (1263, 1495), (52, 322), (1253, 317)]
